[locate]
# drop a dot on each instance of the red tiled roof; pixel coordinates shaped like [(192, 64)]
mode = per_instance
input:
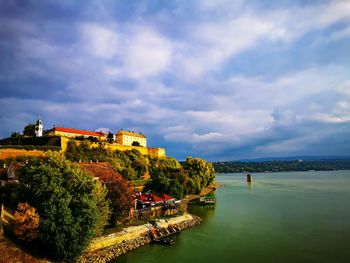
[(167, 197), (98, 169), (150, 197), (81, 132)]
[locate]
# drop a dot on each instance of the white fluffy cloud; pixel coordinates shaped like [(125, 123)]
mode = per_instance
[(189, 78), (101, 41)]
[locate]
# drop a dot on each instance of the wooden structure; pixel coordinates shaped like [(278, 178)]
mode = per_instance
[(249, 178), (208, 199)]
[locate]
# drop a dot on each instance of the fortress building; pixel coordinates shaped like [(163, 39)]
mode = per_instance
[(128, 138), (121, 140), (73, 133)]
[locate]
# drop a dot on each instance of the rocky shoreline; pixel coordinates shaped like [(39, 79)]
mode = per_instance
[(114, 251)]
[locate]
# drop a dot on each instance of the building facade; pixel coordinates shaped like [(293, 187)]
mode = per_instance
[(128, 138), (73, 133)]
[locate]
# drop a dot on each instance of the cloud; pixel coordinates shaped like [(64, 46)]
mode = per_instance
[(212, 78), (101, 41), (148, 53)]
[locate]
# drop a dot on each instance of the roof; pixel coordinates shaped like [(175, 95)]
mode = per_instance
[(98, 169), (209, 196), (135, 134), (167, 197), (81, 132), (151, 198)]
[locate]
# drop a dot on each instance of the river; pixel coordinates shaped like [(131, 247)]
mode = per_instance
[(280, 217)]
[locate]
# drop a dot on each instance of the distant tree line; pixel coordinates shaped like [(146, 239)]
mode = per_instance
[(281, 166)]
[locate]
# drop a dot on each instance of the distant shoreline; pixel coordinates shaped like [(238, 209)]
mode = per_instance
[(275, 172), (281, 166)]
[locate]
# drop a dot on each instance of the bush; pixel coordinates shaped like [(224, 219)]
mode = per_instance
[(26, 222)]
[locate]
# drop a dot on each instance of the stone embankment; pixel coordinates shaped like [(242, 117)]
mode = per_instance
[(107, 248)]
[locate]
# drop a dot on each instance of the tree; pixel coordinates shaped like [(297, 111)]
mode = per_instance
[(26, 222), (169, 177), (110, 137), (29, 130), (201, 172), (64, 197), (100, 193), (15, 135), (120, 195), (128, 173)]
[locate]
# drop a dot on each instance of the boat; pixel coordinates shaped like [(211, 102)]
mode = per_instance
[(165, 241), (208, 199)]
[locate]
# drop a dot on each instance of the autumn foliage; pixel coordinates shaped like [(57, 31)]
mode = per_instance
[(120, 195), (26, 222)]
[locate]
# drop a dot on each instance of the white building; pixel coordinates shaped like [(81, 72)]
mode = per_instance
[(128, 138), (39, 128)]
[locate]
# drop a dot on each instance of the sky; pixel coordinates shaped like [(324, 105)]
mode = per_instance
[(217, 79)]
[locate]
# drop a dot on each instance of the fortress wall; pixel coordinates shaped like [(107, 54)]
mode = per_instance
[(156, 152)]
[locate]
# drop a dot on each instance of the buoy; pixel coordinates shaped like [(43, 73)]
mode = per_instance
[(249, 178)]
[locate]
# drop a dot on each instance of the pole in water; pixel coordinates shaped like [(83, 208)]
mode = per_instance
[(249, 178)]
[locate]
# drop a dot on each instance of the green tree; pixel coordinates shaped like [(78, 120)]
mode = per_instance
[(201, 172), (100, 193), (64, 197), (15, 135), (110, 137), (29, 130)]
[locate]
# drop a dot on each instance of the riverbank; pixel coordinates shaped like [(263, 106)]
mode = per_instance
[(190, 197), (110, 247)]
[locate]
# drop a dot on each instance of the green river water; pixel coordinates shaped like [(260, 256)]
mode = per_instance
[(280, 217)]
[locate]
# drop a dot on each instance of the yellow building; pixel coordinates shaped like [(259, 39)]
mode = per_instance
[(73, 133), (128, 138)]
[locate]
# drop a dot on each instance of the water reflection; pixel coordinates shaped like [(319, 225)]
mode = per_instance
[(250, 187)]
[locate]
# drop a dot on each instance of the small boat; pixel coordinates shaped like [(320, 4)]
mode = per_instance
[(208, 199), (165, 241)]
